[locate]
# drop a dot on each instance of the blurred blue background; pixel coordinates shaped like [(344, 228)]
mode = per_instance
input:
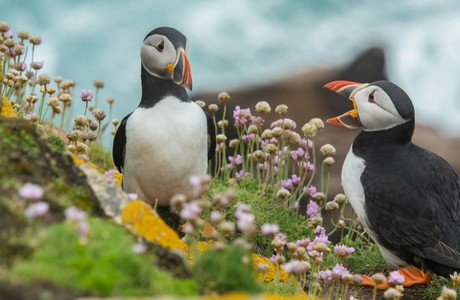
[(237, 43)]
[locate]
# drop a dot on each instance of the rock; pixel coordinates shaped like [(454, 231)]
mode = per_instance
[(110, 196)]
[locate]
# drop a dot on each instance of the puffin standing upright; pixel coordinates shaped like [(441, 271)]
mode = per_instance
[(168, 138), (407, 197)]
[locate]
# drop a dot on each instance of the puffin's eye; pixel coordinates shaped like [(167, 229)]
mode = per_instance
[(160, 47), (371, 97)]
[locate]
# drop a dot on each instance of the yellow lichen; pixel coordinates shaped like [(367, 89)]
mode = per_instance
[(144, 221), (229, 296), (271, 273), (7, 108), (78, 161)]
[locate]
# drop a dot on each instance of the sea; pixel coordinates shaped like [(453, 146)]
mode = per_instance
[(238, 43)]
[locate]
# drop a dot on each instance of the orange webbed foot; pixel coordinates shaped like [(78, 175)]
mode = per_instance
[(413, 275)]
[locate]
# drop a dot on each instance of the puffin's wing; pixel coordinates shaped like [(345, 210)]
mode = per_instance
[(415, 207), (211, 136), (119, 143)]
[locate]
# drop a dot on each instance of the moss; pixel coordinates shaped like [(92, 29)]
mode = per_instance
[(25, 157), (56, 143), (104, 264)]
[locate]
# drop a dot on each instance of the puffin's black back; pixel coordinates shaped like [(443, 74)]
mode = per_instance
[(412, 199)]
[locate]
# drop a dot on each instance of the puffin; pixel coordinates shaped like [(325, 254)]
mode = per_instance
[(407, 197), (168, 138)]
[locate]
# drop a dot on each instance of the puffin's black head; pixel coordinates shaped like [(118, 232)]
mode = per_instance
[(163, 55), (377, 106)]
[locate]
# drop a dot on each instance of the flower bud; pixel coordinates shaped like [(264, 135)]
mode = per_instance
[(319, 124), (200, 103), (234, 143), (327, 150), (43, 79), (263, 107), (281, 109), (223, 97), (340, 199), (35, 40), (220, 138), (227, 227), (213, 108), (329, 161), (331, 205), (99, 84), (309, 130)]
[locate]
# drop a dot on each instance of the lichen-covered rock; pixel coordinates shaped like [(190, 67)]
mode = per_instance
[(26, 158), (109, 194)]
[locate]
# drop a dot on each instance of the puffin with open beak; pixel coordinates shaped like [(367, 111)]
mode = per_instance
[(407, 197), (168, 138)]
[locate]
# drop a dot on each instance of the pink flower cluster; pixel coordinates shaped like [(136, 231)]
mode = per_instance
[(86, 95)]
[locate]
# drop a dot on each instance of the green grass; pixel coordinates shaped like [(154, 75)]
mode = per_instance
[(223, 271), (104, 265), (101, 157), (265, 210)]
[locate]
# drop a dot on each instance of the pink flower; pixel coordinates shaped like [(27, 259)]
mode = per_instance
[(396, 278), (241, 116), (37, 65), (277, 259), (139, 248), (239, 174), (248, 137), (310, 190), (37, 209), (287, 184), (343, 251), (190, 211), (215, 217), (270, 229), (111, 174), (326, 275), (132, 196), (74, 214), (30, 191), (339, 271), (238, 160), (313, 209), (86, 95), (303, 243), (245, 222), (83, 229), (296, 267), (295, 179)]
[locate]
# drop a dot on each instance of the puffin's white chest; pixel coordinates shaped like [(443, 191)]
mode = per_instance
[(165, 145), (352, 169)]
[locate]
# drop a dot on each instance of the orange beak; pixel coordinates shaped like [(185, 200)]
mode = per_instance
[(182, 73), (347, 89)]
